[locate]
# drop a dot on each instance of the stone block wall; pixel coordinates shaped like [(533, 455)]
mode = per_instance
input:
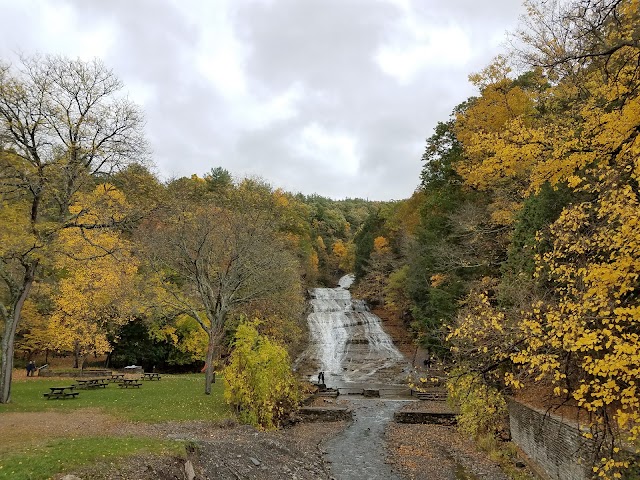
[(556, 446)]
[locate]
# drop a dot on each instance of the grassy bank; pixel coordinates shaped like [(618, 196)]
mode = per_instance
[(44, 460), (45, 450), (175, 397)]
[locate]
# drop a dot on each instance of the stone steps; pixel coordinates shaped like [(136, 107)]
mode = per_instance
[(327, 393), (431, 395)]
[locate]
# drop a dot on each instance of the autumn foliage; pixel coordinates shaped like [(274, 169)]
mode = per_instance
[(259, 383), (574, 127)]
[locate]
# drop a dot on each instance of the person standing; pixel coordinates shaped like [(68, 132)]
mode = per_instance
[(31, 368)]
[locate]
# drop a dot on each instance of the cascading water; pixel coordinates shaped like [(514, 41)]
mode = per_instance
[(348, 342)]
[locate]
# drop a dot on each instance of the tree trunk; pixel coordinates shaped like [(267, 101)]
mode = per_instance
[(208, 373), (6, 370), (10, 326), (76, 355)]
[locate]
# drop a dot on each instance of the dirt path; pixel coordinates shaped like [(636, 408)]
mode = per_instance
[(33, 427)]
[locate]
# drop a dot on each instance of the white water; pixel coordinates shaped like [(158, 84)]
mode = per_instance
[(348, 342)]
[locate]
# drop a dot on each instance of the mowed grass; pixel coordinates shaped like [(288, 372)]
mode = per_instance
[(175, 397), (63, 455)]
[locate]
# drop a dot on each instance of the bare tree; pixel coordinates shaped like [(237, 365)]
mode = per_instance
[(213, 260), (62, 123), (565, 37)]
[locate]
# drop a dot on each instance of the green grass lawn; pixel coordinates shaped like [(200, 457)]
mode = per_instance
[(174, 398), (64, 454)]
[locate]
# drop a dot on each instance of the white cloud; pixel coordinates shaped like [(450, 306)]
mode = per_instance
[(335, 151), (259, 113), (60, 25), (415, 45), (326, 97)]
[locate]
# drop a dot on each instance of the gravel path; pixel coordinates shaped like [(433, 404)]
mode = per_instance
[(359, 452)]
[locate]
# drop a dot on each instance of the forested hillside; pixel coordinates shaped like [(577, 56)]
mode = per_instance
[(523, 268)]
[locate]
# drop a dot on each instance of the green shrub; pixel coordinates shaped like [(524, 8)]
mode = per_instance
[(259, 383), (482, 409)]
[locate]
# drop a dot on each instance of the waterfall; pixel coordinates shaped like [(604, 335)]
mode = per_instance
[(347, 341)]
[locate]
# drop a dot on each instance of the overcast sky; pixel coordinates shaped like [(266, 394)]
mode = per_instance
[(334, 97)]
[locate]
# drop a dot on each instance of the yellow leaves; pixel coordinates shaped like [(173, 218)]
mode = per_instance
[(437, 279), (579, 133), (573, 181), (105, 205), (16, 235), (481, 408), (258, 378), (97, 287), (380, 245)]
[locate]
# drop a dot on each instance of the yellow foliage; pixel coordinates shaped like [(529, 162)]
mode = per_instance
[(259, 382), (381, 245), (344, 254), (98, 272), (579, 131)]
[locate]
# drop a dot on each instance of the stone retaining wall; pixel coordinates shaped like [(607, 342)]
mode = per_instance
[(437, 418), (324, 414), (555, 444), (79, 373)]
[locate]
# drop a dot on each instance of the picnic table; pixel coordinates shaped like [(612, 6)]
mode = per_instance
[(117, 377), (129, 382), (150, 376), (61, 393), (92, 382)]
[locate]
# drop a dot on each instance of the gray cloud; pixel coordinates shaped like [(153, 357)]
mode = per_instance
[(333, 97)]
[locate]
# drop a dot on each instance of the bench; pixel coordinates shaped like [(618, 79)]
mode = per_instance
[(92, 383), (61, 393), (128, 382)]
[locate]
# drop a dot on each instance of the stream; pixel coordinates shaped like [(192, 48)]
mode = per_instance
[(358, 453), (348, 343)]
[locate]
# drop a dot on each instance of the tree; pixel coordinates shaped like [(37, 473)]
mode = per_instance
[(213, 260), (62, 123), (218, 180), (96, 290)]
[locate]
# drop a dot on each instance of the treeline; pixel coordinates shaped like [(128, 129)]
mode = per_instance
[(523, 269), (98, 256)]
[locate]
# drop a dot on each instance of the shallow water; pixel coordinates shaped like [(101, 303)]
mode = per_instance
[(358, 453)]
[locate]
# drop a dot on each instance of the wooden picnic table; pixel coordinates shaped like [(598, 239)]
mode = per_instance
[(92, 382), (61, 393), (116, 377), (150, 376), (129, 382)]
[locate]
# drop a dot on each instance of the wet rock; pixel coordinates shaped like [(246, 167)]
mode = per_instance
[(189, 471)]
